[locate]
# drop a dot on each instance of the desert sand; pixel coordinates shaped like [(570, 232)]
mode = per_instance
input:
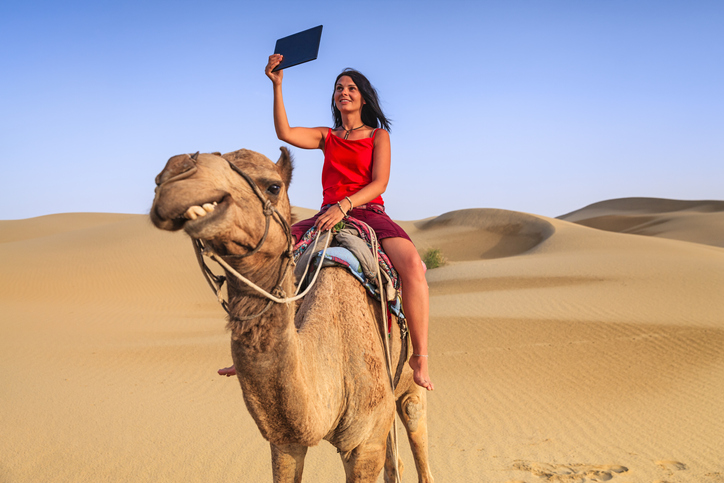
[(562, 350)]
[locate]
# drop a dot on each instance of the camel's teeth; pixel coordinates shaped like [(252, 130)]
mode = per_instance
[(209, 207), (194, 212)]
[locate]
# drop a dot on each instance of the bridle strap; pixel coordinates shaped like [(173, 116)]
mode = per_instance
[(269, 211), (216, 281)]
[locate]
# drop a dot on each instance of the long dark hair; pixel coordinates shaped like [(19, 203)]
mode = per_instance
[(372, 114)]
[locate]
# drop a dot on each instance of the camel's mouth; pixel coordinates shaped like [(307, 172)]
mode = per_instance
[(199, 214), (191, 216), (202, 220)]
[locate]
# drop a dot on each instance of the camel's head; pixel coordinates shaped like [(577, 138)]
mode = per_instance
[(208, 199)]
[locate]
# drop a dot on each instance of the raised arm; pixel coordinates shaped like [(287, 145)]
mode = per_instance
[(301, 137)]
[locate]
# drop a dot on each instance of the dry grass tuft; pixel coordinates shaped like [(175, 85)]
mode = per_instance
[(434, 258)]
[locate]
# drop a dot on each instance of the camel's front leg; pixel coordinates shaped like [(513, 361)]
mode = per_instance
[(364, 463), (390, 460), (288, 462)]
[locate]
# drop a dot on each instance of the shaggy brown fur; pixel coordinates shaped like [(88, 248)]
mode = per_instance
[(309, 374)]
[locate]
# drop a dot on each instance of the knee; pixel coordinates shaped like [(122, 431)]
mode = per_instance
[(412, 411), (413, 269), (406, 260)]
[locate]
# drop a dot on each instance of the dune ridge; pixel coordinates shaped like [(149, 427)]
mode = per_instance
[(479, 233), (693, 221), (559, 353)]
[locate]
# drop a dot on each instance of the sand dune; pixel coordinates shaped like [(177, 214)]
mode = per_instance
[(560, 353), (475, 234), (693, 221)]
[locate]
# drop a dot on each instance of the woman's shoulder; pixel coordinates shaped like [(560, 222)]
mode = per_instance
[(381, 135)]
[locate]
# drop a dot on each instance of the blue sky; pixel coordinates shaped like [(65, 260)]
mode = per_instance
[(535, 106)]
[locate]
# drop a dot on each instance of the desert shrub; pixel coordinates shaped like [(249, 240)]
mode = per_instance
[(434, 258)]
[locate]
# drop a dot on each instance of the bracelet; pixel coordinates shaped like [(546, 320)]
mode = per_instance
[(344, 213), (351, 206), (420, 355)]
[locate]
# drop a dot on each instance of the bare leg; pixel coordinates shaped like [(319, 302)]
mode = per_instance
[(416, 300), (288, 462)]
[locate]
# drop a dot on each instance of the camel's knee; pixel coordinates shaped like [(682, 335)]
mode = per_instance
[(412, 412)]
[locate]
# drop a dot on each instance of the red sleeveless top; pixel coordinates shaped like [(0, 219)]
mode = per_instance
[(347, 167)]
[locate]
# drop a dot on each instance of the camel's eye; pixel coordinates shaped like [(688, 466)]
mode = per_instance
[(274, 189)]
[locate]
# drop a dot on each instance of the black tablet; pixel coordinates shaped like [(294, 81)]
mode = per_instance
[(298, 48)]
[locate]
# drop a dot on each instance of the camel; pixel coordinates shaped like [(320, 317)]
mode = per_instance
[(309, 371)]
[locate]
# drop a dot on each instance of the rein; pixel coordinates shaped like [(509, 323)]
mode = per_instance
[(217, 281), (279, 296)]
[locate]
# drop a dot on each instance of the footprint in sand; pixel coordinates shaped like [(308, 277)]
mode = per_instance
[(570, 473), (671, 465)]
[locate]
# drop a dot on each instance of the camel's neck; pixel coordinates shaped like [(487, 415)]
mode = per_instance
[(254, 322), (297, 377), (268, 358)]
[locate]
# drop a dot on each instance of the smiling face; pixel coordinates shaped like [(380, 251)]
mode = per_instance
[(203, 196), (347, 97)]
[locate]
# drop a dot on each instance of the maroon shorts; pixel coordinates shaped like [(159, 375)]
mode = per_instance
[(372, 214)]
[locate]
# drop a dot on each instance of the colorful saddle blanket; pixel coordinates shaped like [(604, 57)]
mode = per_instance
[(341, 256)]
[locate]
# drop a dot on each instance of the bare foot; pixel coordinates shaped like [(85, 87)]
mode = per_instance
[(420, 373), (227, 371)]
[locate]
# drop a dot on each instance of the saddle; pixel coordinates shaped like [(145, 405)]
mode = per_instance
[(351, 247)]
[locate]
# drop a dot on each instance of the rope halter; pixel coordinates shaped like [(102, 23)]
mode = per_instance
[(217, 281)]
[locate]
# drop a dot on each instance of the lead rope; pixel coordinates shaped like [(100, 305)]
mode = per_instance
[(217, 258), (309, 262), (216, 282), (269, 211), (386, 344)]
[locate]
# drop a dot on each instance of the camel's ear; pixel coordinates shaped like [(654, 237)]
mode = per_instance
[(216, 153), (285, 164)]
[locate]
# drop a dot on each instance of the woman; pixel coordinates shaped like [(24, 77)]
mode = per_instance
[(355, 174)]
